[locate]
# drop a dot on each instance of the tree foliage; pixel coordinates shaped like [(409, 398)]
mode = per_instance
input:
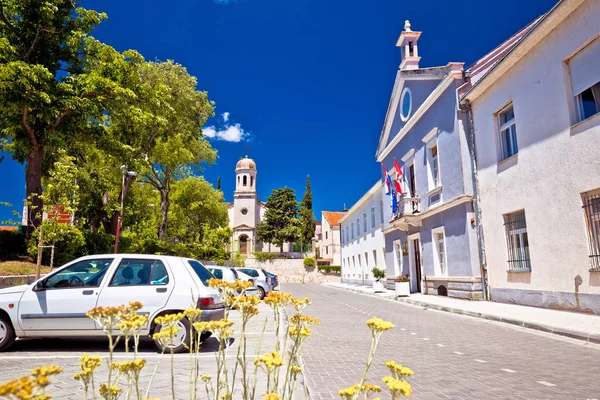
[(56, 82), (280, 223), (307, 217)]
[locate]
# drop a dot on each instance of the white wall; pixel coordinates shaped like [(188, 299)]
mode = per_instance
[(554, 165), (372, 242)]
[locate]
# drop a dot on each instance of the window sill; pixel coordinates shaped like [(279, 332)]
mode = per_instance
[(519, 271), (435, 190), (586, 124), (506, 160), (595, 270)]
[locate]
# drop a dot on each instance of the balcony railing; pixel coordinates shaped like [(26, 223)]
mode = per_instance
[(409, 209)]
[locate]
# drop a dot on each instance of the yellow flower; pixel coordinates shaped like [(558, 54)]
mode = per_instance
[(348, 393), (398, 370), (278, 299), (272, 396), (378, 325), (109, 392), (269, 360), (300, 319), (48, 370), (128, 367), (398, 386), (206, 378), (193, 314), (226, 396)]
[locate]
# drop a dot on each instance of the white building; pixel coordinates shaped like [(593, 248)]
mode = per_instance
[(329, 239), (536, 124), (246, 211), (363, 241)]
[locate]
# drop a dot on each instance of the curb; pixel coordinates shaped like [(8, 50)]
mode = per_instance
[(591, 338)]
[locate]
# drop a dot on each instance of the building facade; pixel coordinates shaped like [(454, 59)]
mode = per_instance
[(536, 123), (363, 242), (247, 211), (329, 238), (432, 236)]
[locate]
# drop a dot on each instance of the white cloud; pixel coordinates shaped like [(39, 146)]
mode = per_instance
[(229, 133), (226, 116)]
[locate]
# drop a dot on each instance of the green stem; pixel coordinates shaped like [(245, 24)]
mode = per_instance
[(374, 342)]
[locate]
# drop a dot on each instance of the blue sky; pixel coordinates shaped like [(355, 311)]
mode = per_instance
[(305, 84)]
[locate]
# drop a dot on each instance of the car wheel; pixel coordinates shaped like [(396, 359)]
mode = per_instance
[(261, 292), (7, 334), (181, 341)]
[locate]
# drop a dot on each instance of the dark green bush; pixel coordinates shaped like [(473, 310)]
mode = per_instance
[(264, 257), (12, 244), (100, 243), (378, 273)]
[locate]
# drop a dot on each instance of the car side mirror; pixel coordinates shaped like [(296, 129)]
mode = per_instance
[(40, 286)]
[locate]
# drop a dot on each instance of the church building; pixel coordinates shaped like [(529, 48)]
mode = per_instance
[(246, 211)]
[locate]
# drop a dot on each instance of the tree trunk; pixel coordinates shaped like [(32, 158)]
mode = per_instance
[(33, 180), (165, 204)]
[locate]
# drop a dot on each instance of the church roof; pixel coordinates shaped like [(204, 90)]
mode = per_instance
[(333, 217), (245, 163)]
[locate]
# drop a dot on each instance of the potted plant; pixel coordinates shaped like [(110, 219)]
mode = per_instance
[(402, 285), (378, 274)]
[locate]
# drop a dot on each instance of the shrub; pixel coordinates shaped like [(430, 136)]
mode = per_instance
[(68, 243), (309, 262), (12, 244), (264, 257), (328, 269), (378, 273), (99, 243)]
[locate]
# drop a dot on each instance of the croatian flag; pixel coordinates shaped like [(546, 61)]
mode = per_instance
[(386, 178), (399, 176)]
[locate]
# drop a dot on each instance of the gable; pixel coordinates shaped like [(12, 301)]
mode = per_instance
[(420, 87)]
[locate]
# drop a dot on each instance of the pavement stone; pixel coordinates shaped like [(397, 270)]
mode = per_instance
[(336, 352)]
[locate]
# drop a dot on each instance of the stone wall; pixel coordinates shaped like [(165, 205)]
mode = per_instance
[(292, 271), (15, 280)]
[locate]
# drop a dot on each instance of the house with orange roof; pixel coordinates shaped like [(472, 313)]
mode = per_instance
[(329, 243)]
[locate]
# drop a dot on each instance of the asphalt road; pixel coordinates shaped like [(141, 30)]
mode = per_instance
[(453, 356)]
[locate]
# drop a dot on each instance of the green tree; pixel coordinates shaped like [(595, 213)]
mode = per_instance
[(307, 217), (280, 223), (196, 205), (56, 82)]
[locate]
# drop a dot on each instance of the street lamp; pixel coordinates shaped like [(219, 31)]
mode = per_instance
[(127, 175)]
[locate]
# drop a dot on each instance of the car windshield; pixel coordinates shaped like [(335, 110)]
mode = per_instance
[(200, 271)]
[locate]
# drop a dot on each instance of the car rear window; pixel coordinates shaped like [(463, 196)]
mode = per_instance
[(217, 273), (250, 272), (200, 271)]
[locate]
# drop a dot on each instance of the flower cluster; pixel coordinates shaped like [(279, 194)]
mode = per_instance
[(355, 391), (236, 286), (398, 387), (129, 367), (304, 320), (169, 328), (30, 387), (278, 299), (269, 360), (272, 396), (87, 367), (379, 326), (110, 392), (398, 371)]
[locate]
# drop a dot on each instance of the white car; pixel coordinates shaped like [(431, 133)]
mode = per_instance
[(231, 275), (56, 305)]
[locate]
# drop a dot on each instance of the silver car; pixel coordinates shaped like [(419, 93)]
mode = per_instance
[(261, 280), (231, 275)]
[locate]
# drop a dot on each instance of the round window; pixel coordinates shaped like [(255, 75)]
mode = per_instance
[(405, 104), (244, 211)]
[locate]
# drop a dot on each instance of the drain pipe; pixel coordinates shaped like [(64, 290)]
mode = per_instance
[(476, 202)]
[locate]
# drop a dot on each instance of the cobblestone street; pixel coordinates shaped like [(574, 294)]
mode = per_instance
[(453, 356)]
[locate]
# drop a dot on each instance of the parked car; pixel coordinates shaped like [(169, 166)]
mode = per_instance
[(56, 305), (274, 279), (261, 280), (231, 275)]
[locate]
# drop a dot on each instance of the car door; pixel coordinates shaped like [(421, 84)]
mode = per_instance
[(147, 280), (60, 301)]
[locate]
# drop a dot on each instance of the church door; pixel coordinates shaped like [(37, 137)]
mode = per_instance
[(244, 245)]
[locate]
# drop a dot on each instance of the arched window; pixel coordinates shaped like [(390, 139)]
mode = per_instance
[(245, 180), (251, 181), (238, 181)]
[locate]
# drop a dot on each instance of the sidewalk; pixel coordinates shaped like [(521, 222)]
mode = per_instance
[(575, 325)]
